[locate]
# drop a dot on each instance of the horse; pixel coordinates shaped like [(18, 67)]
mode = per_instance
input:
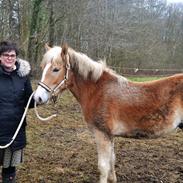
[(111, 104)]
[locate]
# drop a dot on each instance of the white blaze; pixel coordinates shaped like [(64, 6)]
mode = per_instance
[(40, 92)]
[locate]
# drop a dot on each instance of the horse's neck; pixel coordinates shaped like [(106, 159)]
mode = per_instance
[(82, 89), (87, 90)]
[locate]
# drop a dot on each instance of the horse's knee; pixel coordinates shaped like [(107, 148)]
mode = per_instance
[(112, 177), (107, 174), (104, 169), (104, 166)]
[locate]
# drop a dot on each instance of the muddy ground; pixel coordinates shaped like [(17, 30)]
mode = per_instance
[(63, 151)]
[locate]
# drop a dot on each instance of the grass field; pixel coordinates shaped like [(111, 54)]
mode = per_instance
[(142, 79), (63, 151)]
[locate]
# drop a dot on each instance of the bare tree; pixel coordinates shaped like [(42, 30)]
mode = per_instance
[(134, 33)]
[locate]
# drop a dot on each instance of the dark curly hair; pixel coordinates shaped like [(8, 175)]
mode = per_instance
[(6, 46)]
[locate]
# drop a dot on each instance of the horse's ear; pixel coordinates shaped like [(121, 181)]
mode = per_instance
[(64, 51), (47, 47), (65, 48)]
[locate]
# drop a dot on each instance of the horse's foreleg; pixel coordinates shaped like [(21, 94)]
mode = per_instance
[(105, 152), (112, 176)]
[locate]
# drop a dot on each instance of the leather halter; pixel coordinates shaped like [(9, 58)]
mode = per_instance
[(53, 91)]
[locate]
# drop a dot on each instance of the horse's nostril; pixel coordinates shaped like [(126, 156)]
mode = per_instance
[(39, 100)]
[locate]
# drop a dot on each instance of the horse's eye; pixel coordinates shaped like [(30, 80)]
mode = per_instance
[(55, 70)]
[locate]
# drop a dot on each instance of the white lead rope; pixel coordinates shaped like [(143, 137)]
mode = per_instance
[(42, 118), (19, 126), (22, 120)]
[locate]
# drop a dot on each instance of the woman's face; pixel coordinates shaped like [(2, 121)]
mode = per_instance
[(8, 60)]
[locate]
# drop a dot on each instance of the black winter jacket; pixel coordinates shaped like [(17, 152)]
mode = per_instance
[(15, 89)]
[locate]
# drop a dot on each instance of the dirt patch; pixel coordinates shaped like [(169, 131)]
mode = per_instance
[(63, 151)]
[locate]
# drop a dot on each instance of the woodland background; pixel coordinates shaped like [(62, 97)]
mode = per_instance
[(143, 34)]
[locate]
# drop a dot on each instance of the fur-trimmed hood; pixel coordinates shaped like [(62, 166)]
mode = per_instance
[(23, 68)]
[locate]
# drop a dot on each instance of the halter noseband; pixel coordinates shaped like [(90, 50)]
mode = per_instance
[(53, 91)]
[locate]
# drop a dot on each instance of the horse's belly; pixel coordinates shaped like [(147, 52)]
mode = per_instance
[(135, 133), (120, 130)]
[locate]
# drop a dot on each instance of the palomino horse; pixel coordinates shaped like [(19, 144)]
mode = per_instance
[(111, 104)]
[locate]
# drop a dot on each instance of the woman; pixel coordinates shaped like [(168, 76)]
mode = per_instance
[(15, 89)]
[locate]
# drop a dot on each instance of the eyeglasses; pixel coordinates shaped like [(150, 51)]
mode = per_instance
[(9, 56)]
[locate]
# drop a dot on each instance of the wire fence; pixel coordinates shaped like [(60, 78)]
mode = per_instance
[(145, 72), (127, 71)]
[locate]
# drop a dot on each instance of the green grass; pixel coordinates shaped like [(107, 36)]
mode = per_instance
[(142, 79)]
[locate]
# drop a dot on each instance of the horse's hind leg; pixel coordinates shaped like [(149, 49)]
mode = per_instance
[(105, 150)]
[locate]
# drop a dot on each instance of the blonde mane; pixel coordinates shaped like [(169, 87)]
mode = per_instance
[(86, 65)]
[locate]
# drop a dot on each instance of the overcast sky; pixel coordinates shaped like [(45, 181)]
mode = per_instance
[(172, 1)]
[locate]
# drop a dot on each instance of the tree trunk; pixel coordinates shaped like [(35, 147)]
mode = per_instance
[(32, 45)]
